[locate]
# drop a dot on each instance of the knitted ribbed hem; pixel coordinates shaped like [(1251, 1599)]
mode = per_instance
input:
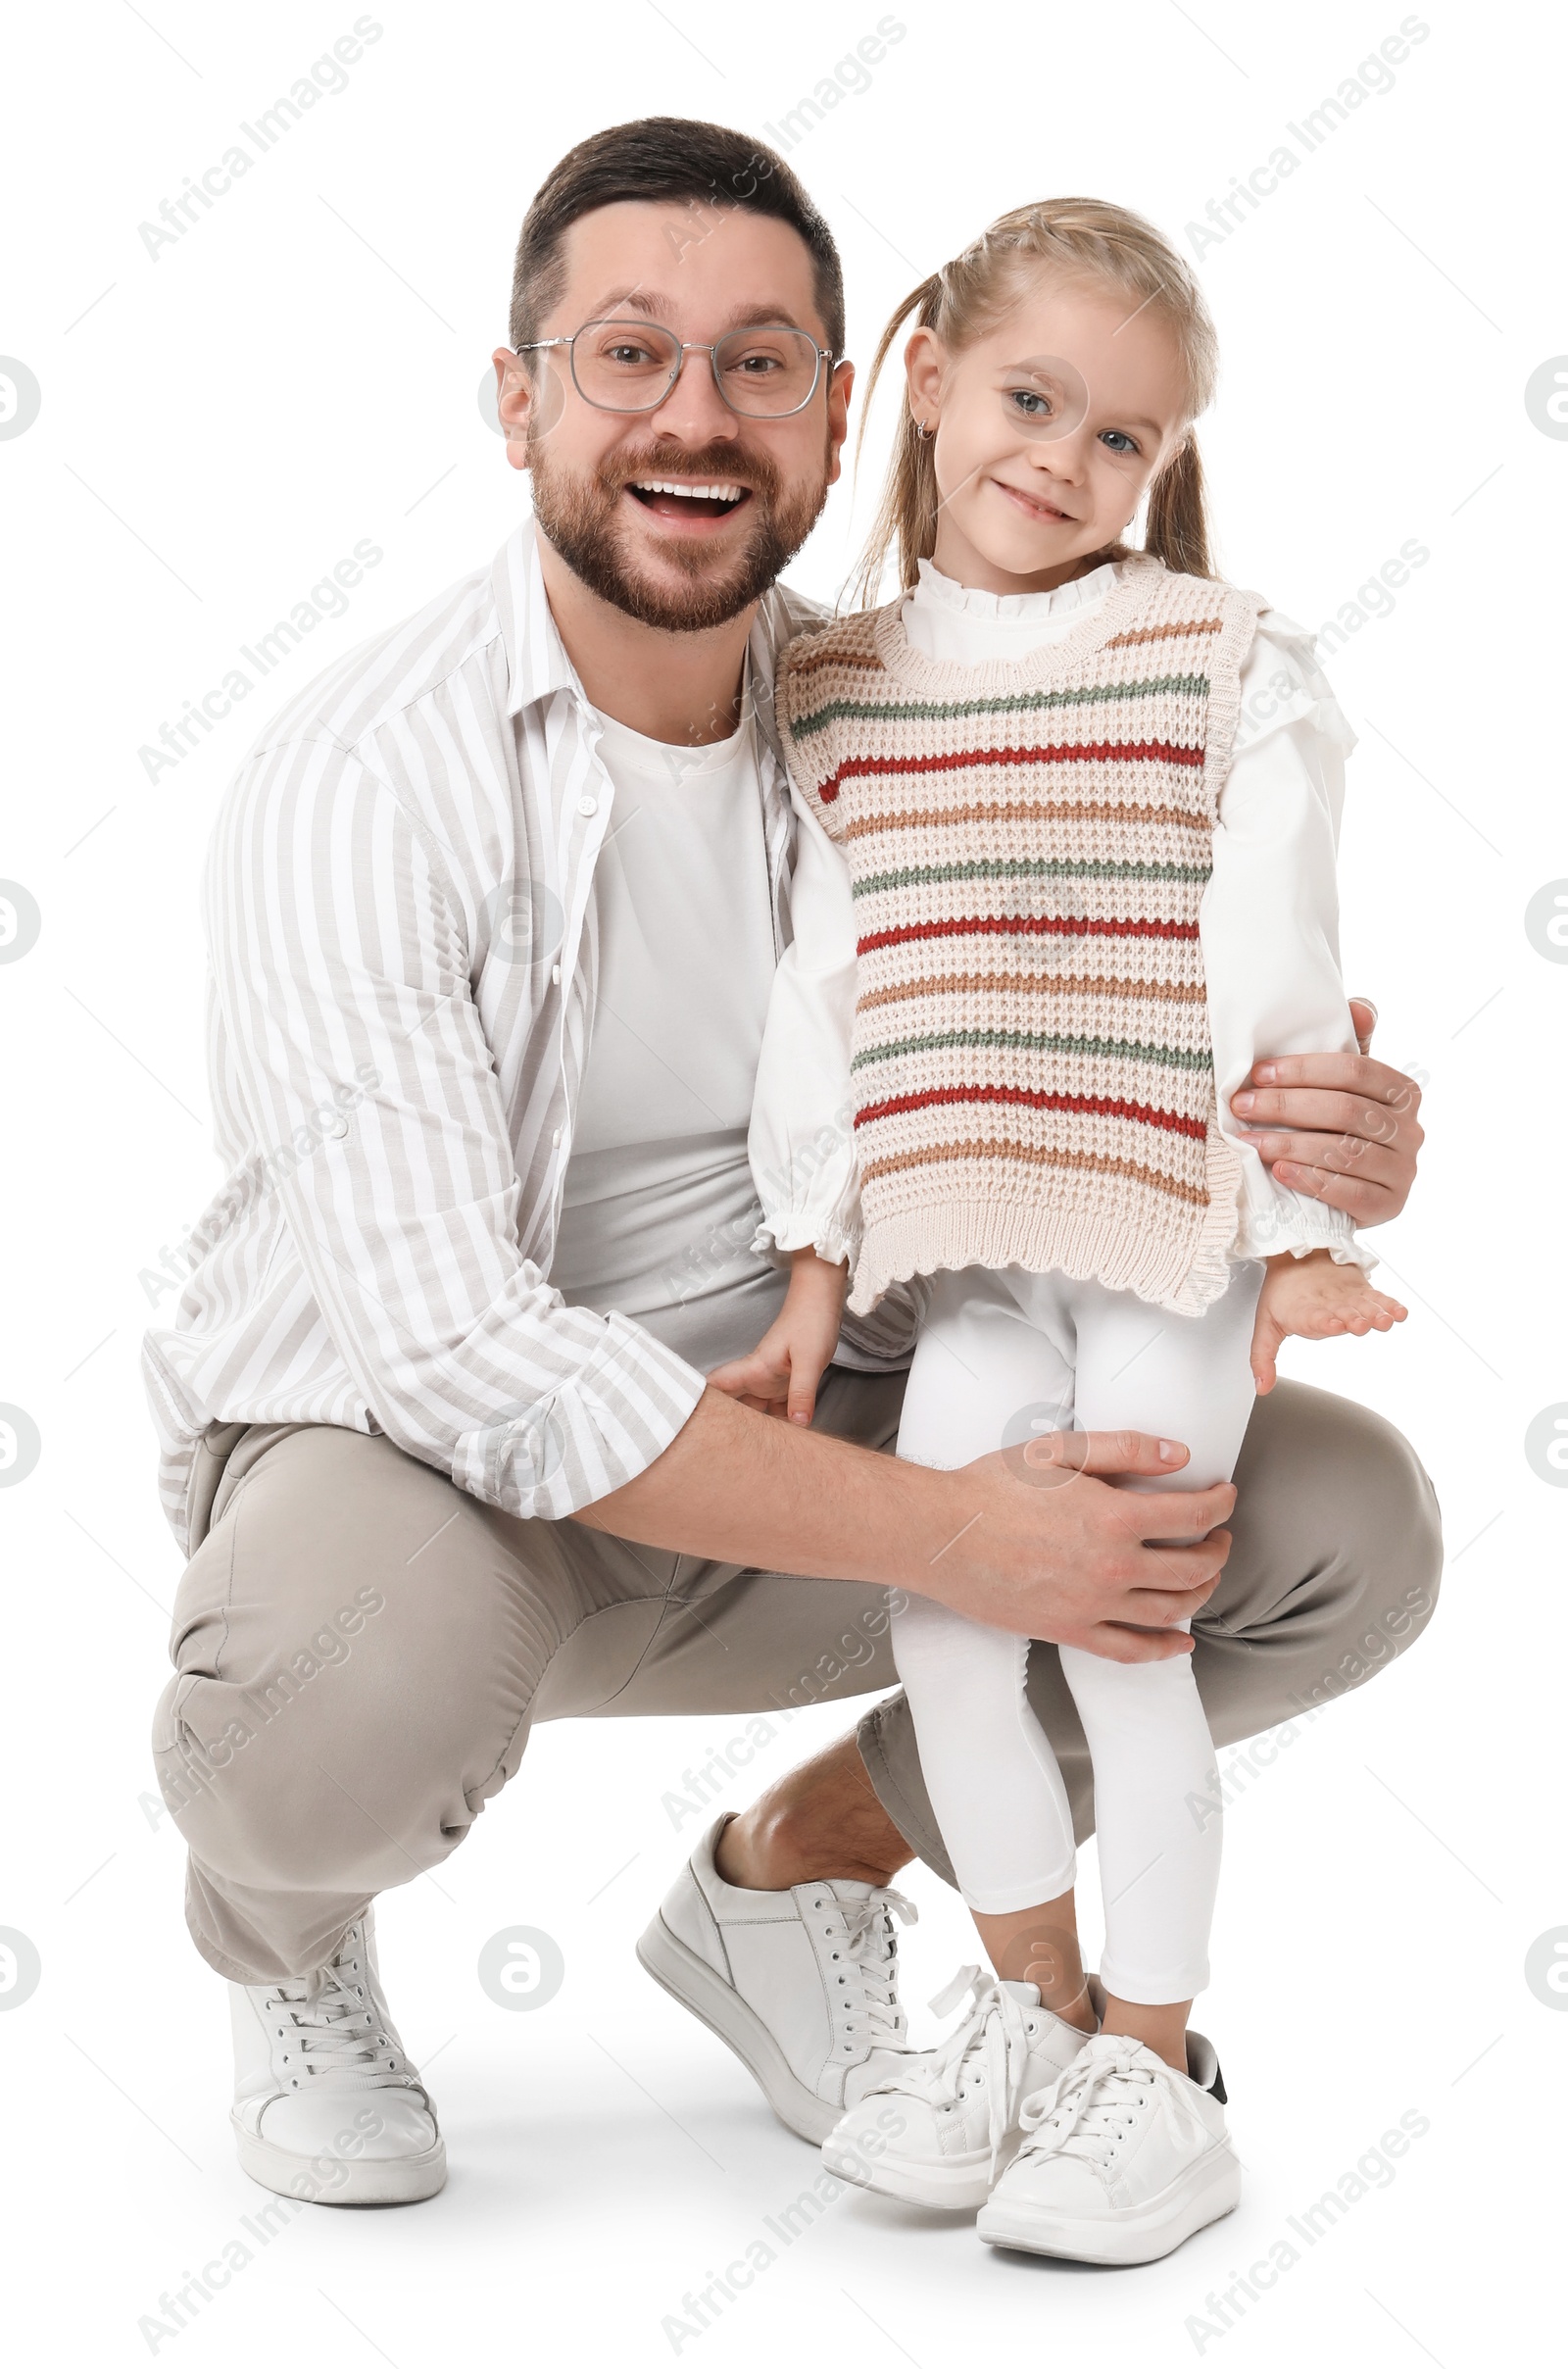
[(1174, 1274), (1240, 611), (1210, 1271)]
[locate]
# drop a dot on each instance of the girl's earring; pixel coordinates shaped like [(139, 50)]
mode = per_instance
[(920, 429)]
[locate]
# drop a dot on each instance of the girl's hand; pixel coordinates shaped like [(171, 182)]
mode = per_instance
[(1314, 1298), (782, 1372)]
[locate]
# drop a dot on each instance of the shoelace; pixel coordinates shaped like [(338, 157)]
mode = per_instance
[(335, 2027), (872, 1952), (995, 2031), (1091, 2108)]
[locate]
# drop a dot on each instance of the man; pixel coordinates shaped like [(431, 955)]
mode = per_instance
[(492, 911)]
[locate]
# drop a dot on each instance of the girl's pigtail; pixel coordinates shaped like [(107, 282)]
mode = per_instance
[(906, 522), (1177, 529)]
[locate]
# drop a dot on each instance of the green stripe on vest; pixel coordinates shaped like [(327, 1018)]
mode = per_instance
[(1163, 1056), (1027, 867), (1009, 703)]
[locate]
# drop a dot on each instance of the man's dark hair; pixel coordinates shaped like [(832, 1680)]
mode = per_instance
[(659, 161)]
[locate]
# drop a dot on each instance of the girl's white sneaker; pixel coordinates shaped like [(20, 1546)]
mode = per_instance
[(935, 2131), (1123, 2159)]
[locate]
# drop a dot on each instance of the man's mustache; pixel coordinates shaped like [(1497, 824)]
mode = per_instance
[(718, 464)]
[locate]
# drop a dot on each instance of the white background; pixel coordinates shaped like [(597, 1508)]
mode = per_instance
[(218, 427)]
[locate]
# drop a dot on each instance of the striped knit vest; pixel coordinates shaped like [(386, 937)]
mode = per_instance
[(1028, 846)]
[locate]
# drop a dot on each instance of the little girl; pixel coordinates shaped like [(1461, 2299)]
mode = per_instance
[(1068, 816)]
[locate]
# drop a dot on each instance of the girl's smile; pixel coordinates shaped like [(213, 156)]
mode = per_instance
[(1033, 505)]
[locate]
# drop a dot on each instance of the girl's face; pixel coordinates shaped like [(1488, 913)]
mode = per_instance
[(1048, 431)]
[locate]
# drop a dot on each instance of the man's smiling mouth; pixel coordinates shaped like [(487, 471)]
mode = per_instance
[(672, 498)]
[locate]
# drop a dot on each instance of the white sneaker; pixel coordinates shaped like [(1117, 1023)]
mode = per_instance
[(327, 2104), (801, 1985), (935, 2131), (1123, 2158)]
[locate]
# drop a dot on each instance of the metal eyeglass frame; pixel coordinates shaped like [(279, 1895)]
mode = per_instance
[(632, 410)]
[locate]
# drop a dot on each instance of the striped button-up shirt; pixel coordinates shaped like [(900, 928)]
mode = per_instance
[(399, 912)]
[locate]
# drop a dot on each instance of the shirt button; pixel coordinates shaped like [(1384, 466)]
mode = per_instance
[(340, 1127), (555, 974), (556, 1137), (587, 805)]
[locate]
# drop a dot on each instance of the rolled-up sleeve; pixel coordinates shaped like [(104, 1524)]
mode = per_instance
[(341, 964)]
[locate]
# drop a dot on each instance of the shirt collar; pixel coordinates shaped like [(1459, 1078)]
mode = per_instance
[(536, 657)]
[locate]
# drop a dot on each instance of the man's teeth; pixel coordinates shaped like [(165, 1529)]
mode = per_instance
[(703, 493)]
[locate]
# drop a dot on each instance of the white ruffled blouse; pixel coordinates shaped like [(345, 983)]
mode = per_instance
[(1268, 927)]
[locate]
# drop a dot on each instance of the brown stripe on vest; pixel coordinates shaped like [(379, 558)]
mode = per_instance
[(1065, 810), (1164, 633), (1011, 982), (1038, 1155), (836, 658)]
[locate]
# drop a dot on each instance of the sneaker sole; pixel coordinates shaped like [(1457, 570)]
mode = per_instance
[(947, 2188), (1207, 2191), (384, 2180), (706, 1995)]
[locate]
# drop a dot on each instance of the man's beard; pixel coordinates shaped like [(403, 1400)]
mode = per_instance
[(578, 514)]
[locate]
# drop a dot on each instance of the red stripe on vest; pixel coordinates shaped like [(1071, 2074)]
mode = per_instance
[(1024, 926), (1100, 1105), (1142, 752)]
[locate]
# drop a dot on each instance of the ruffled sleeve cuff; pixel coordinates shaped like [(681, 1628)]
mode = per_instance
[(1294, 1222), (832, 1229)]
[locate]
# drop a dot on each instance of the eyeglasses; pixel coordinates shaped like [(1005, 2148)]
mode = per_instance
[(632, 366)]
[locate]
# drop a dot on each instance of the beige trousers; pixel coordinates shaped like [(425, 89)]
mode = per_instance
[(361, 1649)]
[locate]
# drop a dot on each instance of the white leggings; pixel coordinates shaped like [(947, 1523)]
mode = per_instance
[(1003, 1357)]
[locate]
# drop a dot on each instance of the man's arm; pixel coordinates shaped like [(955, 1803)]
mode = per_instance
[(341, 964), (1029, 1540), (1338, 1126)]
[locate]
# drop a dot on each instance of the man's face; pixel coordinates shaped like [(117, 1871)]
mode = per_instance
[(672, 559)]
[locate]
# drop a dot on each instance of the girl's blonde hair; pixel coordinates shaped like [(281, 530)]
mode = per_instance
[(1079, 238)]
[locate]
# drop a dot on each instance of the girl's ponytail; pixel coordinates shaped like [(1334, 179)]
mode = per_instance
[(1177, 526), (906, 517)]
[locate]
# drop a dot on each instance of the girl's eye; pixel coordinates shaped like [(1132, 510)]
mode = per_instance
[(1118, 441), (1030, 401)]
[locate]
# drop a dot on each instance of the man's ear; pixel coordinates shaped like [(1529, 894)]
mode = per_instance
[(840, 388), (528, 404)]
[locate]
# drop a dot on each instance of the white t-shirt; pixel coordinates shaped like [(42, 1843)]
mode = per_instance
[(658, 1208)]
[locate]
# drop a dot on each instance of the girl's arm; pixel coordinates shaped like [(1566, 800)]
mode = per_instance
[(802, 1139), (1269, 921)]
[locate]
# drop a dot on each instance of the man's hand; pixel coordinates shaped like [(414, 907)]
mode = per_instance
[(1314, 1297), (1058, 1554), (1336, 1126), (1032, 1539), (781, 1375)]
